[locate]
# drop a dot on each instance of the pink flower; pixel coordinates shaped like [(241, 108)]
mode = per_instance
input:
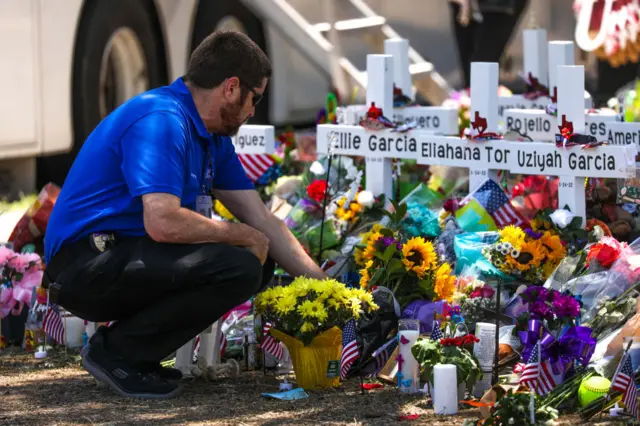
[(18, 263), (485, 291), (5, 255)]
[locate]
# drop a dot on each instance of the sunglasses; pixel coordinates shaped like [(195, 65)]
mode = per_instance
[(257, 97)]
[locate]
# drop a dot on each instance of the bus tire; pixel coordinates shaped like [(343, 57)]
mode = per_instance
[(213, 15), (127, 29)]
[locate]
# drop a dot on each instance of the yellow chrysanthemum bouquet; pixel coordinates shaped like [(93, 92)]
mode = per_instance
[(410, 268), (307, 307), (307, 316), (526, 254)]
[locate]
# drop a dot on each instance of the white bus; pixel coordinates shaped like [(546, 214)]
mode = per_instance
[(67, 63)]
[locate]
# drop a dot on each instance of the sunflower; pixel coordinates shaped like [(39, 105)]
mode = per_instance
[(445, 283), (418, 256), (364, 278), (513, 235), (553, 245), (531, 255), (368, 238)]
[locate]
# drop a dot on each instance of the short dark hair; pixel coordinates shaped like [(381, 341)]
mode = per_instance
[(226, 54)]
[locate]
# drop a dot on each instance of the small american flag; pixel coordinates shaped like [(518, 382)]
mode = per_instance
[(382, 354), (255, 165), (52, 324), (624, 381), (497, 204), (436, 333), (536, 374), (270, 344), (349, 348)]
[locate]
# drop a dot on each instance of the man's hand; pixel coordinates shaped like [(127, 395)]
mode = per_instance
[(259, 246), (285, 248)]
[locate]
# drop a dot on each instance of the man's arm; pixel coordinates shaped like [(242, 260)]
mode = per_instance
[(154, 152), (247, 206)]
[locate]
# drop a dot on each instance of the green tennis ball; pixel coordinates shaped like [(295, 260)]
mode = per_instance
[(592, 389)]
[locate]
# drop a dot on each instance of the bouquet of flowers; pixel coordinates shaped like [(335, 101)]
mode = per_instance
[(526, 254), (307, 316), (551, 321), (474, 298), (307, 307), (556, 309), (430, 353), (20, 273), (567, 226), (410, 268)]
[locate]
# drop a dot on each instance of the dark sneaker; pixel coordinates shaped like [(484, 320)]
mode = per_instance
[(121, 377), (166, 373)]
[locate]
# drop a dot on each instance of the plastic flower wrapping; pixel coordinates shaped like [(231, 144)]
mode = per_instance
[(307, 307), (21, 273)]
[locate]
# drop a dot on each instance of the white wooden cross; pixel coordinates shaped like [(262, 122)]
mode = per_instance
[(536, 123), (442, 120), (378, 147), (535, 64), (571, 164), (251, 139)]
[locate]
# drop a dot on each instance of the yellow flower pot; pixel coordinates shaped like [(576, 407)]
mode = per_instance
[(311, 363)]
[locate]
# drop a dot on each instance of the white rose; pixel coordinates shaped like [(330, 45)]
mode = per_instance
[(365, 199), (317, 168), (561, 218)]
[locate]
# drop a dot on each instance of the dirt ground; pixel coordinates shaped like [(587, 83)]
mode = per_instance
[(57, 391)]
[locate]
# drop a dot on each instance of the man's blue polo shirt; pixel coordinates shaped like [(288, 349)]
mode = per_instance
[(155, 142)]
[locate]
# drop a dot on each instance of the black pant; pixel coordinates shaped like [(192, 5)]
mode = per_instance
[(161, 295), (484, 41)]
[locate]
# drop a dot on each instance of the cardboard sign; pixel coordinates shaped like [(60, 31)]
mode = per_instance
[(255, 139)]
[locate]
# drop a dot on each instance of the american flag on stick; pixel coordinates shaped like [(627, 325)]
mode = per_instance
[(624, 381), (382, 354), (489, 200), (436, 333), (537, 374), (52, 324), (255, 165), (270, 344), (349, 348)]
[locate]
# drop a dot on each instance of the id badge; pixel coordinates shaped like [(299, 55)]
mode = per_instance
[(204, 206)]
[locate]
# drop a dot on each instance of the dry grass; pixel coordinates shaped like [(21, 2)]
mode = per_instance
[(56, 391)]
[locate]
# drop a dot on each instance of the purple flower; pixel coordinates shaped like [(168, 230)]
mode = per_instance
[(399, 245), (533, 234), (566, 306), (535, 293), (387, 241), (540, 311)]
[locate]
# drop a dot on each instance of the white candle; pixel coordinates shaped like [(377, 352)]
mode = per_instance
[(408, 367), (445, 392)]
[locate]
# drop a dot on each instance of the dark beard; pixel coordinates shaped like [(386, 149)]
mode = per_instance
[(231, 121)]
